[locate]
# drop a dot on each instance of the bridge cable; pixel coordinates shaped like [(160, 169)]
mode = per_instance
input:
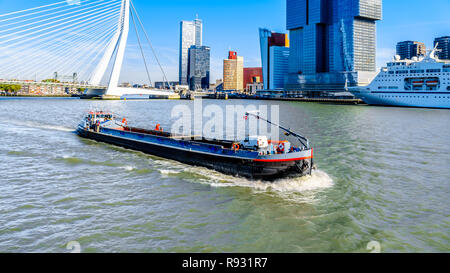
[(37, 12), (85, 22), (83, 53), (151, 46), (16, 12), (112, 27), (56, 62), (60, 46), (65, 39), (46, 15), (69, 57), (140, 46), (86, 15)]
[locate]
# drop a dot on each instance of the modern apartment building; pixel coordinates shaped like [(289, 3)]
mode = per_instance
[(199, 67), (233, 72), (190, 34), (332, 42), (410, 49), (443, 43), (252, 88), (252, 75), (274, 58)]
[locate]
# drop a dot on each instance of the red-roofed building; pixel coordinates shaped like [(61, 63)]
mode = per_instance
[(252, 75)]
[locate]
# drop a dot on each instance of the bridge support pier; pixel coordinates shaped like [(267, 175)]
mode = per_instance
[(93, 94)]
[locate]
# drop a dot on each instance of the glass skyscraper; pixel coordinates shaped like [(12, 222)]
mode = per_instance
[(278, 66), (443, 43), (274, 57), (190, 34), (199, 67), (331, 42)]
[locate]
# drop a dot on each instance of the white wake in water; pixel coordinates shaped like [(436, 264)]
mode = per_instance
[(127, 168), (299, 190), (167, 172), (36, 125), (318, 180)]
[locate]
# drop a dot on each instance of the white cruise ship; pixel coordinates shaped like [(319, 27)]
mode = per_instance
[(420, 82)]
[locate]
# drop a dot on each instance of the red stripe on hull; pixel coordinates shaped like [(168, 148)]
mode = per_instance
[(282, 160)]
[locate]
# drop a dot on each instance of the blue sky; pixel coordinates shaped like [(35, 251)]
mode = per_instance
[(233, 24)]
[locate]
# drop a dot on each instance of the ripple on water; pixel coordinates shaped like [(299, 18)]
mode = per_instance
[(40, 125), (65, 200), (27, 207), (143, 171), (80, 161)]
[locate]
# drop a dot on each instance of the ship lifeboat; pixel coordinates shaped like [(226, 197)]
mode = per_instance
[(418, 82), (432, 82)]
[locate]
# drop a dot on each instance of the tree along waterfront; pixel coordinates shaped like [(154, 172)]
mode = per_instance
[(10, 88)]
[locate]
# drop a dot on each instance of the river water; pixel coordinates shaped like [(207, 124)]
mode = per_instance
[(383, 175)]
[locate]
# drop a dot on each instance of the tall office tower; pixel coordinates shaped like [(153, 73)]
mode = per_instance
[(278, 66), (410, 49), (332, 42), (190, 34), (199, 67), (444, 45), (274, 58), (233, 72)]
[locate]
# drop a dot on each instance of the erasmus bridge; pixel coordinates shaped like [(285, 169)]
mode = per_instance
[(87, 37)]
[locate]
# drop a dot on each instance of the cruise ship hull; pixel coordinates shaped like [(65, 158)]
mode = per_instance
[(420, 82), (440, 100)]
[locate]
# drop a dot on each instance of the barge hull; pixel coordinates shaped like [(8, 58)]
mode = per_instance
[(248, 168)]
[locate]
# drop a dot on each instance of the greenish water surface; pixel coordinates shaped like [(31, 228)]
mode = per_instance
[(383, 175)]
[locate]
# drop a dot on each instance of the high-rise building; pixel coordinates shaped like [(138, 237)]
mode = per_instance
[(443, 43), (410, 49), (274, 54), (233, 72), (199, 67), (252, 75), (332, 42), (190, 34), (278, 66)]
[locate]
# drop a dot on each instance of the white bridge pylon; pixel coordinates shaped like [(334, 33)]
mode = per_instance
[(118, 44)]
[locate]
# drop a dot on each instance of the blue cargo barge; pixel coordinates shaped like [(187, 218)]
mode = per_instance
[(254, 158)]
